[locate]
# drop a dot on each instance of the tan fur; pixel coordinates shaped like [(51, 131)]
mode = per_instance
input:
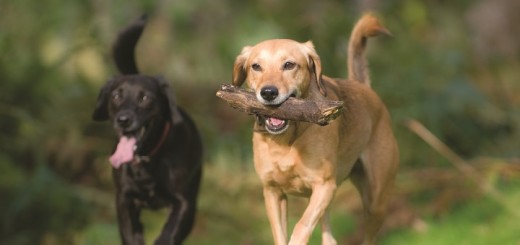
[(310, 160), (368, 26)]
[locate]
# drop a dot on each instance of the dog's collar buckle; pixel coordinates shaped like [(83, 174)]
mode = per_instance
[(140, 159)]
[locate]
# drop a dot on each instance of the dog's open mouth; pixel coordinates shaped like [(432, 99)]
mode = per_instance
[(275, 125), (126, 147)]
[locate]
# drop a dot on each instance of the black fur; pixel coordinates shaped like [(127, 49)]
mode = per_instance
[(123, 50), (167, 168)]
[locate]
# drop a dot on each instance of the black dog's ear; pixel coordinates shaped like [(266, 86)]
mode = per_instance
[(175, 114), (101, 110)]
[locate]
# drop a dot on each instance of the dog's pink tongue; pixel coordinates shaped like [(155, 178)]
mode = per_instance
[(124, 151), (275, 121)]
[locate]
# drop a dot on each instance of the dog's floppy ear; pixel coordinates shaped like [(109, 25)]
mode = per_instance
[(175, 114), (239, 68), (314, 63), (101, 110)]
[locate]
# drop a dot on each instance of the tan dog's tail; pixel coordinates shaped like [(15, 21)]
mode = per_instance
[(367, 26)]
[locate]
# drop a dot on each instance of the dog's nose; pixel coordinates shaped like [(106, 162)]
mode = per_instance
[(269, 93), (124, 121)]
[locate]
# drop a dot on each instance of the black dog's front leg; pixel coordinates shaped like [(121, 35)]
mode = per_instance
[(180, 221), (130, 228)]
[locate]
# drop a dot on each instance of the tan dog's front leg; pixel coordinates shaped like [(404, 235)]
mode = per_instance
[(319, 202), (276, 207)]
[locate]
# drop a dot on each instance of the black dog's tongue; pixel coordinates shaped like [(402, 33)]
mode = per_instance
[(124, 151)]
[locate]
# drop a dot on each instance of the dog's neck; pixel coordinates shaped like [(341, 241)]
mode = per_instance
[(164, 135), (154, 142)]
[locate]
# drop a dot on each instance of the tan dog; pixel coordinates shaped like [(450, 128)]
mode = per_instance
[(309, 160)]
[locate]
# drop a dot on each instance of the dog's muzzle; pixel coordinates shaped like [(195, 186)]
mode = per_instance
[(130, 134), (269, 95)]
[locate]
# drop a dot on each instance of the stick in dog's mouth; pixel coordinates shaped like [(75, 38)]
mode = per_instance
[(294, 108)]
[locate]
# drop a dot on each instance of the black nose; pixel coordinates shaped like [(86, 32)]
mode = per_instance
[(124, 121), (269, 93)]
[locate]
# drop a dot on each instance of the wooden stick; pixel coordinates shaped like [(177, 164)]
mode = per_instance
[(319, 112)]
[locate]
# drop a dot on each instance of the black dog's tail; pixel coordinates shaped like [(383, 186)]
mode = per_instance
[(123, 50)]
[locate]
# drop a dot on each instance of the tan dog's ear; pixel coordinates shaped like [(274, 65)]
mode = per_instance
[(314, 64), (239, 68)]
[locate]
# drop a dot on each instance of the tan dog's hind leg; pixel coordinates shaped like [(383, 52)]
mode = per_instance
[(326, 231), (374, 181), (283, 214), (321, 197), (276, 206)]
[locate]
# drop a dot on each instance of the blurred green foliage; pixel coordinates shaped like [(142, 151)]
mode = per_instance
[(451, 65)]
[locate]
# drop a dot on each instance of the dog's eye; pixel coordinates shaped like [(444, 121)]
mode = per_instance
[(289, 65), (144, 98), (256, 67), (116, 96)]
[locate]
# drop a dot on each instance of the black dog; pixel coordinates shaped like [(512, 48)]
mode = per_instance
[(158, 160)]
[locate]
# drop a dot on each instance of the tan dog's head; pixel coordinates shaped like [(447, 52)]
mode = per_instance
[(276, 70)]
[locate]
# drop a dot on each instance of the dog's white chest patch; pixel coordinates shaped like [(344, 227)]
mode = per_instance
[(285, 175), (286, 164)]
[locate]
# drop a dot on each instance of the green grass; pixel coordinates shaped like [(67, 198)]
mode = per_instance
[(102, 233), (479, 222), (231, 211)]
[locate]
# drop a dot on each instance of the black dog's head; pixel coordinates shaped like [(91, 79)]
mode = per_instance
[(134, 101), (136, 104), (141, 108)]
